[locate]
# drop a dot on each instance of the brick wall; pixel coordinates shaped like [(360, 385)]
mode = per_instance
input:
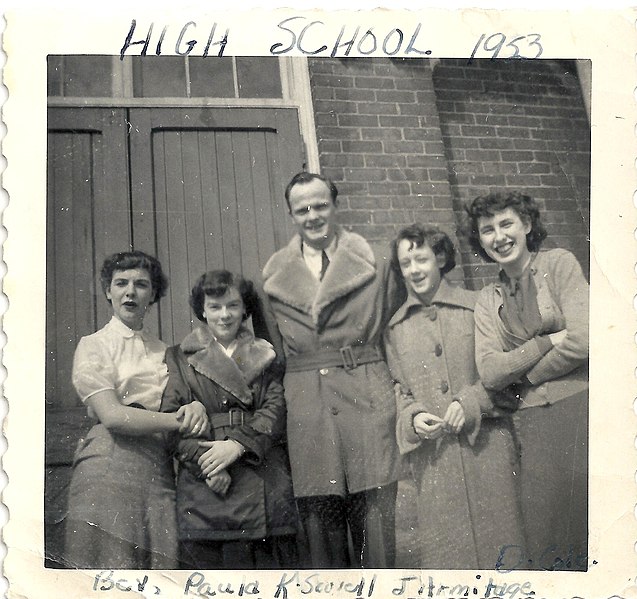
[(379, 140), (518, 125), (413, 140)]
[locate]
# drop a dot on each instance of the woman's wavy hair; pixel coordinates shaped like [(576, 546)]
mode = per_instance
[(216, 283), (135, 259), (488, 205), (420, 235)]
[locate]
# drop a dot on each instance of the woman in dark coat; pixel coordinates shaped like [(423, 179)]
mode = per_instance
[(463, 465), (235, 508)]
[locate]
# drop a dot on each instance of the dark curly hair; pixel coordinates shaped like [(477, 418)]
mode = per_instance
[(488, 205), (135, 259), (420, 235), (304, 177), (215, 283)]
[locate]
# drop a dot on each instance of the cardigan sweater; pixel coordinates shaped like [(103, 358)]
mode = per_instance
[(555, 372)]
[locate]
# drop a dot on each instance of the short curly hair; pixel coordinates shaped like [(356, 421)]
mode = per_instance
[(488, 205), (419, 235), (134, 259), (216, 283)]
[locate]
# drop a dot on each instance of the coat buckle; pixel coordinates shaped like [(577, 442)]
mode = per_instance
[(240, 421), (348, 357)]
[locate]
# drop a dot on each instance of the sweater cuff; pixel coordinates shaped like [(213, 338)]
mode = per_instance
[(544, 344)]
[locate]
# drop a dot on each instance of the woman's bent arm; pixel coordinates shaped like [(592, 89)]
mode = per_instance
[(570, 291), (125, 419), (498, 368)]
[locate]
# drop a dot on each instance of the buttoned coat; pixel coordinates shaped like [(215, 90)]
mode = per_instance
[(467, 501), (259, 502), (341, 422)]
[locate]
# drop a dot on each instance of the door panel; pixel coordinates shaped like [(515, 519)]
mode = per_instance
[(207, 192), (87, 218)]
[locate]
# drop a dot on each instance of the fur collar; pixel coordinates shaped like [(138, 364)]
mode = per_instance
[(288, 279), (234, 374)]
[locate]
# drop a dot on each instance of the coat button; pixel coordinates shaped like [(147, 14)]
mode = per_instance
[(444, 386), (324, 371), (334, 411), (433, 315), (438, 349)]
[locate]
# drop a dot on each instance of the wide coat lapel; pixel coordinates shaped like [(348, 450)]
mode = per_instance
[(288, 279), (446, 294), (234, 374)]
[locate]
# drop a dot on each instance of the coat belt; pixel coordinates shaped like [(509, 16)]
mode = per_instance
[(234, 417), (348, 357)]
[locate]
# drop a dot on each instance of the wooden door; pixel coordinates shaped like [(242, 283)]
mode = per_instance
[(207, 192), (87, 218)]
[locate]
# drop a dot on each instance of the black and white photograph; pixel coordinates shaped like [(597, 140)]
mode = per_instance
[(398, 433), (322, 316)]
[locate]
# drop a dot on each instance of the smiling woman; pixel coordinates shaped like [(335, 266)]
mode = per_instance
[(458, 444), (235, 508), (532, 337)]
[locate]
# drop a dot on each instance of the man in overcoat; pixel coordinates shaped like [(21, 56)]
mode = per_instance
[(331, 299)]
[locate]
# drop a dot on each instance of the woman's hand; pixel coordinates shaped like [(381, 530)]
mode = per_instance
[(428, 426), (219, 456), (193, 420), (454, 417), (219, 483), (557, 338)]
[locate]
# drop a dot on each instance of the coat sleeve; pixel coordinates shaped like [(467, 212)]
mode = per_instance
[(265, 325), (176, 394), (570, 292), (266, 425), (394, 290), (476, 403), (499, 368), (406, 405)]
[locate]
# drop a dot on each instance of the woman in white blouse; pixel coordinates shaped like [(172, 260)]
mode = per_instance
[(121, 511)]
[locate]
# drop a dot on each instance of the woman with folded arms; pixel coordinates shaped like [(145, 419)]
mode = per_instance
[(532, 337)]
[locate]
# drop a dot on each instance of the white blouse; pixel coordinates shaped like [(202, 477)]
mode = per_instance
[(131, 363)]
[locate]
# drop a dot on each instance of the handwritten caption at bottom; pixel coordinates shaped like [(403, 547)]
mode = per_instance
[(295, 584)]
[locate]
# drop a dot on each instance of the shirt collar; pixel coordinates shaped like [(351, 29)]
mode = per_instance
[(118, 327), (309, 251), (242, 335)]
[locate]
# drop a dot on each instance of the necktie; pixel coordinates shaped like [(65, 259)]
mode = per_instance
[(325, 262)]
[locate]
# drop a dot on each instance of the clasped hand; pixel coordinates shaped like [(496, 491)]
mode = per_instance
[(218, 456), (219, 483), (430, 427), (193, 420)]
